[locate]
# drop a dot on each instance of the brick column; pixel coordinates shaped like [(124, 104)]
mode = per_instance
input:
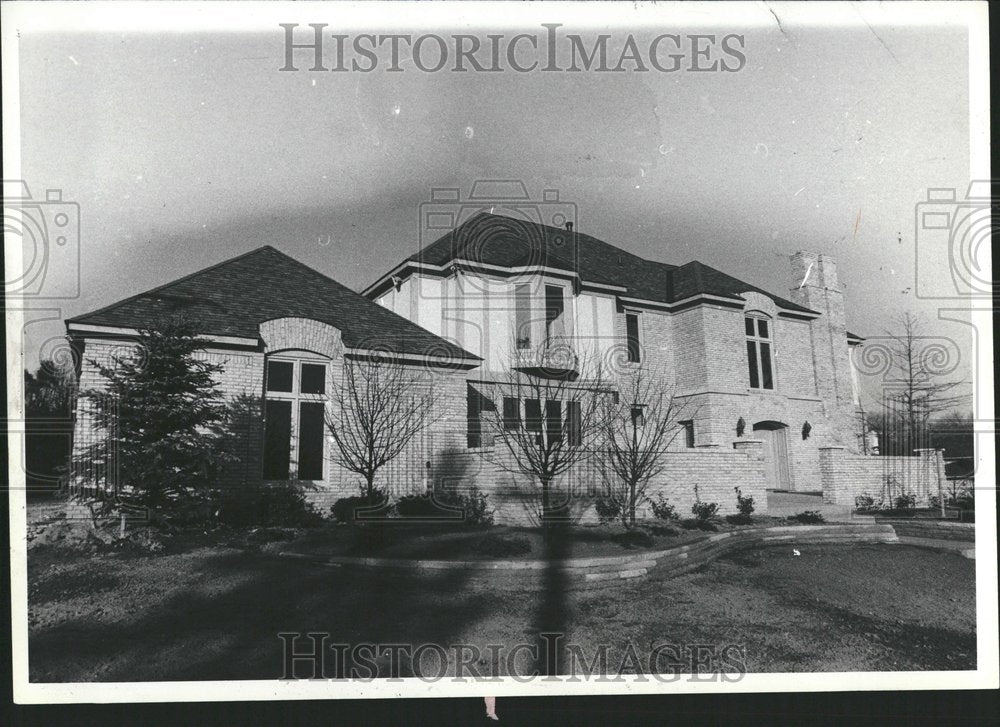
[(931, 473), (829, 474)]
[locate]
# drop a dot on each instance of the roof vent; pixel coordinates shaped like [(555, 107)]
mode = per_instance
[(569, 226)]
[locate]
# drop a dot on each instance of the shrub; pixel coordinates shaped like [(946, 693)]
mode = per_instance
[(739, 519), (634, 539), (608, 510), (472, 503), (809, 517), (286, 505), (906, 502), (696, 524), (704, 511), (419, 506), (662, 509), (349, 509), (501, 546), (866, 503), (744, 504)]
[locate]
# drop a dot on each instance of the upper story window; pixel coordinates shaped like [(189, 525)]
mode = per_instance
[(688, 427), (555, 307), (759, 352), (633, 343), (522, 316)]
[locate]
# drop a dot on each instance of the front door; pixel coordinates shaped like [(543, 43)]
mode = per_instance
[(776, 470)]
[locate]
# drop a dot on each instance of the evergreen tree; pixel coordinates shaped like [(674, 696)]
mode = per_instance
[(161, 413)]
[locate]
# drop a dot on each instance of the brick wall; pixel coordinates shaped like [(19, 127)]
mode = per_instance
[(846, 475)]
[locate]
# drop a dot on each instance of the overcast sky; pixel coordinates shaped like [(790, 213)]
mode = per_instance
[(186, 149)]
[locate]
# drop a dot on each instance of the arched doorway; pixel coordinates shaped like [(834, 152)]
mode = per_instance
[(777, 473)]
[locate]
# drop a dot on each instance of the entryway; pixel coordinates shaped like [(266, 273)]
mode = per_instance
[(776, 470)]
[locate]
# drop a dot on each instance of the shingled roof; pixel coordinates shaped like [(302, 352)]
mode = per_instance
[(234, 297), (508, 242)]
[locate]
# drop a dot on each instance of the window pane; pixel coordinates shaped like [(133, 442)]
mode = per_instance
[(765, 365), (533, 415), (277, 439), (574, 424), (313, 379), (279, 375), (752, 360), (632, 334), (511, 413), (310, 440), (762, 328), (554, 307), (553, 420), (749, 326), (688, 434), (474, 429), (522, 316), (638, 417)]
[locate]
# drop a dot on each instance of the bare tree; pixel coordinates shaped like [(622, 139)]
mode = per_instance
[(544, 418), (915, 391), (639, 423), (379, 408)]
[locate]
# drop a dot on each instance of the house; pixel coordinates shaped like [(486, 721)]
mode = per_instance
[(768, 381)]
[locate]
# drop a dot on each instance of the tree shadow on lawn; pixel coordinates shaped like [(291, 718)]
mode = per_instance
[(228, 628)]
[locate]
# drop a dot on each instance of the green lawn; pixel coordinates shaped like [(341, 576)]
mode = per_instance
[(214, 612)]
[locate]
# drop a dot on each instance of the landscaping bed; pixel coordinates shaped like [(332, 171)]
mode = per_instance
[(398, 539)]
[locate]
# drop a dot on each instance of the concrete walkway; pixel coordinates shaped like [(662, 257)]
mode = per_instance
[(962, 547)]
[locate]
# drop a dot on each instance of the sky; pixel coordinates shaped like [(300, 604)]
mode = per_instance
[(183, 149)]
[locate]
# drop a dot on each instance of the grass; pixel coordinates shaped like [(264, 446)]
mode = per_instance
[(212, 611)]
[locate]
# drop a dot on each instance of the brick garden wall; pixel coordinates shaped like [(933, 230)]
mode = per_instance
[(846, 475)]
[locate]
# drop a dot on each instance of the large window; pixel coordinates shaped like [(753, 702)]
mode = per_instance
[(555, 307), (477, 404), (759, 352), (522, 316), (294, 417)]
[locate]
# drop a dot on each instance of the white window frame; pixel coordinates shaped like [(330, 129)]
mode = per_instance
[(757, 339), (297, 358)]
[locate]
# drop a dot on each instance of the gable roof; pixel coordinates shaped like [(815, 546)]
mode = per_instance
[(508, 242), (234, 297)]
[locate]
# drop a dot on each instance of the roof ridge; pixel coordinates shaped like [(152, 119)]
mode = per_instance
[(172, 283)]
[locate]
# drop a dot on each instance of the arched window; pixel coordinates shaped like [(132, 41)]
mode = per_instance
[(295, 393), (760, 351)]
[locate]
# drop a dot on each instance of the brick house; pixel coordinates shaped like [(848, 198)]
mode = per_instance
[(768, 380)]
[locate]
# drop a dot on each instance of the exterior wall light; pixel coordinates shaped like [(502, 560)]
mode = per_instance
[(740, 427), (806, 428)]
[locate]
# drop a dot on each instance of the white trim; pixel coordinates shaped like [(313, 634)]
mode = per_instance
[(412, 358), (115, 330)]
